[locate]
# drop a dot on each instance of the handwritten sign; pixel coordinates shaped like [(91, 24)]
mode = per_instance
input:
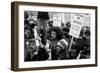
[(77, 21), (57, 20)]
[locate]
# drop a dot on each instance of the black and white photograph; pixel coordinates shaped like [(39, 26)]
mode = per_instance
[(56, 36), (53, 36)]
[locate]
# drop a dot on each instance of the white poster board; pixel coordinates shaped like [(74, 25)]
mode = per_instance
[(57, 20), (87, 18), (76, 24)]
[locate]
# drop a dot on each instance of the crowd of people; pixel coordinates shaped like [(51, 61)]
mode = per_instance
[(43, 41)]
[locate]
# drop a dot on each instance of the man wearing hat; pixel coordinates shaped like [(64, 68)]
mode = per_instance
[(42, 19)]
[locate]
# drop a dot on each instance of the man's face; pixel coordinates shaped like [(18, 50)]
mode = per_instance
[(32, 46), (53, 35)]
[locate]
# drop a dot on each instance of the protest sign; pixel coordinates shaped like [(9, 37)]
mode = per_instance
[(57, 20), (77, 21)]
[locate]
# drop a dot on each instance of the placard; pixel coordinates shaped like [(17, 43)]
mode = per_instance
[(77, 21)]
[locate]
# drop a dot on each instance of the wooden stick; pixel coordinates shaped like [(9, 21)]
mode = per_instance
[(71, 43)]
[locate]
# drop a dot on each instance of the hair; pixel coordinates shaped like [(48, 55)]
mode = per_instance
[(65, 29), (59, 33), (87, 32), (50, 23)]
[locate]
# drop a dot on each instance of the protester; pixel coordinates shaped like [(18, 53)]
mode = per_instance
[(59, 46), (42, 19), (45, 41)]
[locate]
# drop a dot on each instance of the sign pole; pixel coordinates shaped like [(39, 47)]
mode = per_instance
[(71, 43), (77, 21)]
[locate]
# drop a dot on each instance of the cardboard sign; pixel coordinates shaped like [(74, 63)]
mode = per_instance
[(87, 20), (77, 21), (57, 20)]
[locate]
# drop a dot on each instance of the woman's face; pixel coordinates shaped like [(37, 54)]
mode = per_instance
[(53, 35)]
